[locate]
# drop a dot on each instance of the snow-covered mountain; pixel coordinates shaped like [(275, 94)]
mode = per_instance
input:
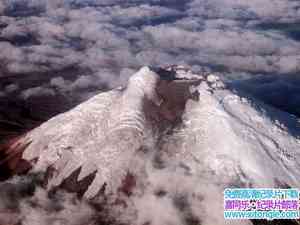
[(163, 149)]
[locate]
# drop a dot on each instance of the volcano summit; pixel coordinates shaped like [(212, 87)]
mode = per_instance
[(166, 146)]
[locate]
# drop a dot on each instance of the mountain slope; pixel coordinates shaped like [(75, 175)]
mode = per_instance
[(171, 140)]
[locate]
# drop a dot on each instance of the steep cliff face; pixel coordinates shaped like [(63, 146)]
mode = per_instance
[(170, 140)]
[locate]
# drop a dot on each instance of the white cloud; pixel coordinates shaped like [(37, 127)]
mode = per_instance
[(82, 82), (101, 38), (60, 83), (266, 10), (11, 88), (37, 91)]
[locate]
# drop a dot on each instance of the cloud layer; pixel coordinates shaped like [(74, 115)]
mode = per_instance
[(77, 47)]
